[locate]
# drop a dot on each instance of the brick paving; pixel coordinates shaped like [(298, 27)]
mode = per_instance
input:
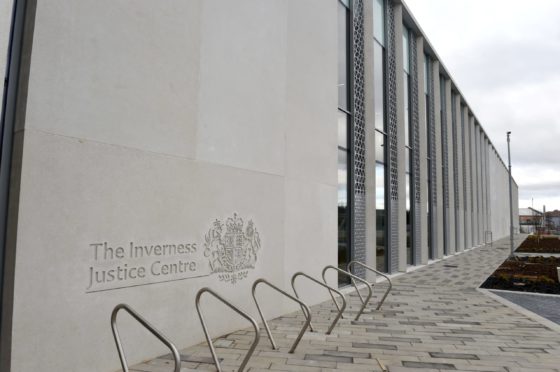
[(434, 320)]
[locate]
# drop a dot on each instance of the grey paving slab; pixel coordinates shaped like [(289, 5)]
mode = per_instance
[(434, 320), (546, 306)]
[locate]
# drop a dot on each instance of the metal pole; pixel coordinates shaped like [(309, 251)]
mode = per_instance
[(510, 199)]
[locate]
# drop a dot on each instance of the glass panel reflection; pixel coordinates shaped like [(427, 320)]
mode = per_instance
[(378, 91), (342, 129), (343, 214), (342, 56), (379, 147), (380, 217), (406, 48), (379, 21), (409, 258), (406, 111)]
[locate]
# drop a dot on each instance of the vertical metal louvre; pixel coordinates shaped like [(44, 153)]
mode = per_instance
[(455, 170), (358, 138), (414, 118), (433, 162), (445, 165), (464, 166), (392, 150)]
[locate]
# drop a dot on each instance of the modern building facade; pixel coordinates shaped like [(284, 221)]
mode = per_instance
[(150, 149)]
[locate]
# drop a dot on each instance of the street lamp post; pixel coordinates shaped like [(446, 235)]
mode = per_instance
[(510, 198)]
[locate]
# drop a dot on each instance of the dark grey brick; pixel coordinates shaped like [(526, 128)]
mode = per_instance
[(453, 338), (418, 323), (454, 356), (388, 330), (363, 345), (329, 358), (401, 339), (470, 332), (445, 366)]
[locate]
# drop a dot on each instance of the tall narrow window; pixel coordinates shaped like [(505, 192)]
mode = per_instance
[(455, 100), (344, 120), (444, 163), (380, 133), (428, 129), (408, 145), (464, 170)]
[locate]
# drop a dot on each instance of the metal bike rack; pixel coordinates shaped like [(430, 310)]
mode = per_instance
[(349, 266), (305, 309), (209, 339), (340, 310), (486, 241), (149, 327), (353, 277)]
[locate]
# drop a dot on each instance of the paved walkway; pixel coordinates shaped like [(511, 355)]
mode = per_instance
[(434, 320)]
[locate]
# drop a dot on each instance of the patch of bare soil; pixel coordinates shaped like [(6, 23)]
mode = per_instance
[(526, 274), (543, 244)]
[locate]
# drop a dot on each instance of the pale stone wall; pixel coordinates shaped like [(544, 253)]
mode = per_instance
[(5, 25), (147, 121)]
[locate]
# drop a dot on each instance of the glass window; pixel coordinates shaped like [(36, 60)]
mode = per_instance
[(379, 21), (426, 73), (378, 86), (442, 93), (343, 129), (379, 147), (344, 120), (342, 178), (343, 213), (406, 49), (343, 97), (407, 159), (406, 111), (380, 217), (409, 250)]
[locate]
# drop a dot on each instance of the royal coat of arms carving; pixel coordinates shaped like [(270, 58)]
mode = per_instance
[(233, 251)]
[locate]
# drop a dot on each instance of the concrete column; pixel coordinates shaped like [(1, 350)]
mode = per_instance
[(423, 149), (466, 176), (480, 160), (5, 26), (401, 158), (371, 228), (460, 212), (476, 161), (438, 160), (450, 170), (472, 180), (486, 196), (474, 171)]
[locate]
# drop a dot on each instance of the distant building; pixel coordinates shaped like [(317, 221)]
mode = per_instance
[(553, 219), (529, 219)]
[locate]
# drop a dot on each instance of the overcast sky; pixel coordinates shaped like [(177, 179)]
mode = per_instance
[(504, 55)]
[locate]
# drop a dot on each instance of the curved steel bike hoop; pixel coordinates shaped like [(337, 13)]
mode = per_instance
[(340, 311), (209, 339), (149, 327), (349, 266), (353, 277), (305, 309)]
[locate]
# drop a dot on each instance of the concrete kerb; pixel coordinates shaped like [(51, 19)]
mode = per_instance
[(545, 322)]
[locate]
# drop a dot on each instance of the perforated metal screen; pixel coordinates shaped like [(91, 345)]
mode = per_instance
[(392, 151), (359, 136)]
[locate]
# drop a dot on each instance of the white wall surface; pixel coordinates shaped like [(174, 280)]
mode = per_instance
[(5, 26), (147, 121)]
